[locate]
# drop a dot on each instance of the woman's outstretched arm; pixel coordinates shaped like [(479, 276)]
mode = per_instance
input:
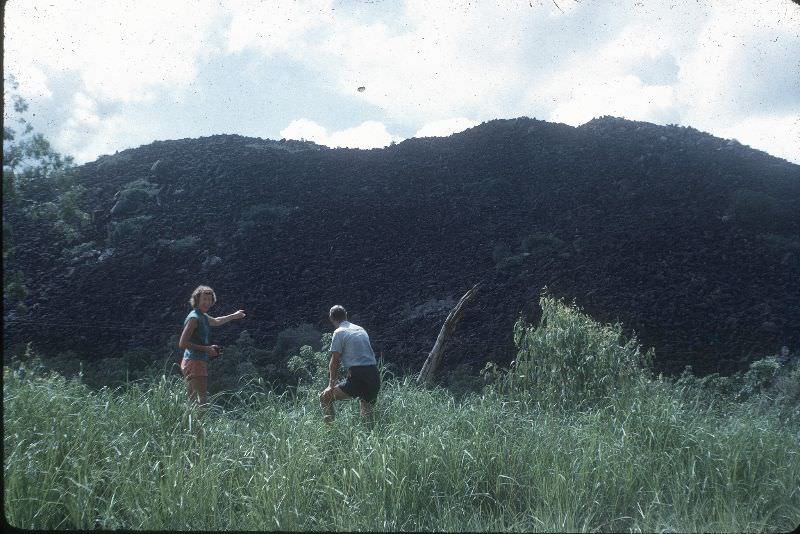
[(219, 321)]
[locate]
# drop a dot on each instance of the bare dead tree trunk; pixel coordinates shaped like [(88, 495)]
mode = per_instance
[(433, 360)]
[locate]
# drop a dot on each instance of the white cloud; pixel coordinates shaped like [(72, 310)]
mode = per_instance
[(368, 134), (430, 68), (122, 50), (731, 72), (579, 99), (276, 27), (33, 83), (747, 63), (87, 134), (307, 130), (609, 80), (777, 135), (445, 127)]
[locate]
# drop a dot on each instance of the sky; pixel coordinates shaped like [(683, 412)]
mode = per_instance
[(101, 77)]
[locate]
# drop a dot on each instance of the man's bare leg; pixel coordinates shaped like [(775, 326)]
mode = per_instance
[(326, 398)]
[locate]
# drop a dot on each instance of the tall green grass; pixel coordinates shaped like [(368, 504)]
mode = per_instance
[(664, 459)]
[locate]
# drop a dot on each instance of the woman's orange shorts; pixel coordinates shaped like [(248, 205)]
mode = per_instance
[(194, 368)]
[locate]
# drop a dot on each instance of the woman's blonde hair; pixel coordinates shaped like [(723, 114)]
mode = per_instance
[(194, 301)]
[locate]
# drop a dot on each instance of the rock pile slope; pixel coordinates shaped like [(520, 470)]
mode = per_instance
[(691, 241)]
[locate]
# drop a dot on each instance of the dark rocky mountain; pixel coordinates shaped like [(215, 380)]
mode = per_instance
[(691, 241)]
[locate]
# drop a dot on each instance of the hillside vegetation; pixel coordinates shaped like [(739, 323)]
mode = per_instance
[(578, 435), (691, 241)]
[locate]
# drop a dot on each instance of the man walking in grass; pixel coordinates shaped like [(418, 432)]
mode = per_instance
[(350, 347)]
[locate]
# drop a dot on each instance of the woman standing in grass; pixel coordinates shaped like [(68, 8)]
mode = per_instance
[(195, 340)]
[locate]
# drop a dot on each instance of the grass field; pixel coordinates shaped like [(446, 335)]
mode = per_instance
[(645, 455)]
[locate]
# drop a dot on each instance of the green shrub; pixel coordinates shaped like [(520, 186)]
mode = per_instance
[(63, 214), (539, 243), (711, 385), (309, 367), (760, 376), (133, 196), (77, 251), (65, 363), (786, 392), (14, 289), (238, 364), (230, 371), (571, 361), (261, 218), (180, 245), (504, 258), (765, 380), (291, 339), (130, 232)]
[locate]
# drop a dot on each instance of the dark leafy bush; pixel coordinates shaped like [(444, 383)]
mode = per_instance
[(137, 360), (66, 363), (463, 380)]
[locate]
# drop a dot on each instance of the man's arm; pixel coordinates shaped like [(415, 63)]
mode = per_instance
[(333, 368), (219, 321)]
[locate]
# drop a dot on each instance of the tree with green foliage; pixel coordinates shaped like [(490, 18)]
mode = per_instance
[(38, 187)]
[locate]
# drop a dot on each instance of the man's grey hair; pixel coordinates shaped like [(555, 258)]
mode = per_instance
[(338, 313)]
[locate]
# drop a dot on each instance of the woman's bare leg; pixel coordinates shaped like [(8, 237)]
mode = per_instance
[(202, 391), (197, 387), (191, 389)]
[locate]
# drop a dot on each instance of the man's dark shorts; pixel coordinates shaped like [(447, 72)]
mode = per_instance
[(363, 382)]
